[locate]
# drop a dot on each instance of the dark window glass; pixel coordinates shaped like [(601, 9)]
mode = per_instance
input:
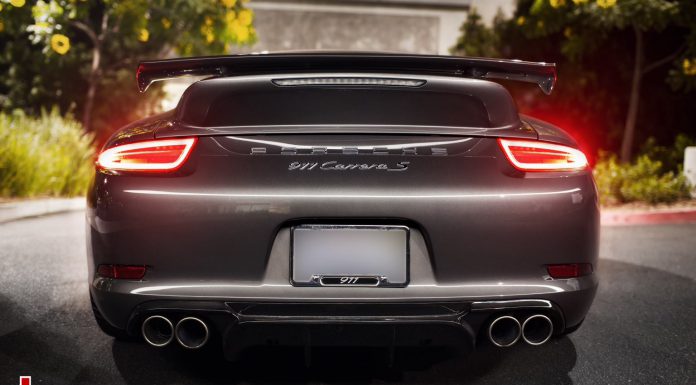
[(334, 105)]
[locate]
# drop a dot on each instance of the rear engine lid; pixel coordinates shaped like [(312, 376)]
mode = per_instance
[(346, 104)]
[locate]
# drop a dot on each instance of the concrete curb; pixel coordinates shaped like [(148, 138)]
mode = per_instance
[(14, 210), (620, 217)]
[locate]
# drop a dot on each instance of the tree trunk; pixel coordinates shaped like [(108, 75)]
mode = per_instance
[(634, 99), (93, 79), (92, 82)]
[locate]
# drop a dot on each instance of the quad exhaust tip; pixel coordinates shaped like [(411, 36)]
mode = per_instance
[(504, 331), (537, 329), (157, 331), (191, 333)]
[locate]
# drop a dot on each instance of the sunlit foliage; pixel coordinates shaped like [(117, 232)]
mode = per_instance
[(48, 51), (48, 155), (476, 39), (187, 26), (643, 180)]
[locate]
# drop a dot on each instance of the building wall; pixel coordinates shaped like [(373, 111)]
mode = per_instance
[(329, 30), (409, 26)]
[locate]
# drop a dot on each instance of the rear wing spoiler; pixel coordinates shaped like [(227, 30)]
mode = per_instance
[(543, 74)]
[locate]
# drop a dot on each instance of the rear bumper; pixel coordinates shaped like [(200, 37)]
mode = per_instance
[(118, 300), (239, 309), (457, 322)]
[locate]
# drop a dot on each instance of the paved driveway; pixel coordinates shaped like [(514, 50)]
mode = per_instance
[(641, 329)]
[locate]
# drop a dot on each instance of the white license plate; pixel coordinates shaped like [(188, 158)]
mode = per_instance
[(326, 255)]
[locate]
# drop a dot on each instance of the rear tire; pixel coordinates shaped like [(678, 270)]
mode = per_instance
[(106, 327)]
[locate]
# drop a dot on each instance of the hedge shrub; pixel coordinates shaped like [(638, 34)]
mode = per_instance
[(47, 155), (641, 181)]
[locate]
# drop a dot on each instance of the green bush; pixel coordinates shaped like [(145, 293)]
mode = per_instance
[(672, 157), (641, 181), (44, 156)]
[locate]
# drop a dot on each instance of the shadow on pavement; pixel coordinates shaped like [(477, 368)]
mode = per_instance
[(31, 348), (140, 364), (638, 329)]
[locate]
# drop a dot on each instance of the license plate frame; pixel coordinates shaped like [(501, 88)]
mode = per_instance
[(398, 276)]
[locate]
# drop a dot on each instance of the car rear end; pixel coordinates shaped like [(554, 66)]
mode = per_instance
[(342, 208)]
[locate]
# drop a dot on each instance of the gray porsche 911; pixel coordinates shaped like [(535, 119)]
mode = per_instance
[(342, 198)]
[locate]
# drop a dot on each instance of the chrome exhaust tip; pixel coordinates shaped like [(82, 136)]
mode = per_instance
[(157, 331), (191, 333), (504, 331), (537, 329)]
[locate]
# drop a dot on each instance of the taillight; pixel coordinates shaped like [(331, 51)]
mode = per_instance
[(153, 155), (529, 155), (122, 271), (569, 270)]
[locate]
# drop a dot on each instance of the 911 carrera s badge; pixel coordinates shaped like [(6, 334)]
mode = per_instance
[(336, 166)]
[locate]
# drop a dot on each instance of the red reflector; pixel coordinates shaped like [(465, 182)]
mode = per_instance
[(570, 270), (121, 271), (529, 155), (153, 155)]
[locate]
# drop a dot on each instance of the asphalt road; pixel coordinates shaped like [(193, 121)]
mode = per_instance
[(641, 329)]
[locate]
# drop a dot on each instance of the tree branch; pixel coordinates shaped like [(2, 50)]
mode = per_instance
[(116, 27), (87, 30), (104, 26), (666, 59)]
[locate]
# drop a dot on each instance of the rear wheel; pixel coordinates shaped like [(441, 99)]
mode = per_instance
[(105, 326)]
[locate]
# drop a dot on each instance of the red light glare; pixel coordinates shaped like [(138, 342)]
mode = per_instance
[(153, 155)]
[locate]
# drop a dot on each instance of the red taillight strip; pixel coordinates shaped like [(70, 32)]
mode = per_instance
[(132, 272), (126, 158), (542, 156), (569, 270)]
